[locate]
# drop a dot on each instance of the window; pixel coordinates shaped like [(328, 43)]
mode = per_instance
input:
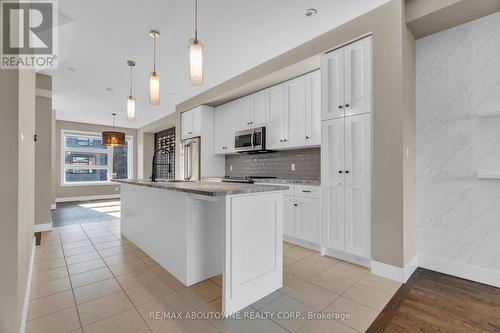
[(85, 161)]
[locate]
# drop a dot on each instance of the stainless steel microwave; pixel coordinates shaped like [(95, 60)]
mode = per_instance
[(251, 140)]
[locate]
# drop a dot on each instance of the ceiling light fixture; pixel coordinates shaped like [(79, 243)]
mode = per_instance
[(154, 78), (113, 138), (131, 98), (195, 54)]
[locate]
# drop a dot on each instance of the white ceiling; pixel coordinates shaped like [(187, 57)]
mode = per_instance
[(98, 36)]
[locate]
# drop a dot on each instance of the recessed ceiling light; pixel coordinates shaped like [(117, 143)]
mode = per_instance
[(311, 12), (71, 69), (110, 89)]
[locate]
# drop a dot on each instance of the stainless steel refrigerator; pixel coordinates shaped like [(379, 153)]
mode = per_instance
[(192, 160)]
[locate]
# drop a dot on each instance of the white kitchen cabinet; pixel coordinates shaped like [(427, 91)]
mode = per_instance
[(358, 184), (288, 216), (313, 109), (332, 171), (307, 219), (245, 112), (295, 113), (259, 109), (290, 111), (302, 215), (225, 120), (252, 111), (332, 84), (358, 77), (347, 80), (191, 123), (346, 184), (275, 116)]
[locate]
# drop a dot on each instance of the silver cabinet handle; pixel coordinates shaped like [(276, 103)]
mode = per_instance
[(251, 139), (306, 191)]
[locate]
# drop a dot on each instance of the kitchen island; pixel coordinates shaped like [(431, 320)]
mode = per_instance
[(198, 230)]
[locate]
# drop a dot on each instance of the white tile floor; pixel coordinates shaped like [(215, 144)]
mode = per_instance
[(87, 278)]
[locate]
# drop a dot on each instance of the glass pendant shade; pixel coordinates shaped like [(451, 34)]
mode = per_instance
[(131, 108), (195, 62), (113, 139), (154, 88)]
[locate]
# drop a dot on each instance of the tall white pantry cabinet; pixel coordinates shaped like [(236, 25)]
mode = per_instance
[(346, 144)]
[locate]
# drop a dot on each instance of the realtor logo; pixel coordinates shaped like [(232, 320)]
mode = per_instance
[(28, 34)]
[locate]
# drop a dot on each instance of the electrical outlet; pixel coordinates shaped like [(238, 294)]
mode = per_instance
[(116, 189), (230, 168), (293, 167)]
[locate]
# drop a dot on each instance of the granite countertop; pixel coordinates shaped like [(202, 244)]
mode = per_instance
[(288, 181), (275, 181), (209, 188)]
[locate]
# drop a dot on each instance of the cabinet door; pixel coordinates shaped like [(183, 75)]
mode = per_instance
[(288, 216), (187, 124), (332, 79), (275, 114), (245, 113), (224, 128), (295, 112), (358, 77), (196, 114), (332, 188), (313, 108), (259, 109), (307, 219), (358, 184)]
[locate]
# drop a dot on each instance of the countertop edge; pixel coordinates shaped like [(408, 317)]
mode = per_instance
[(208, 192)]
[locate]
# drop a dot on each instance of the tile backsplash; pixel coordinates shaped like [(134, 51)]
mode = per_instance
[(278, 164)]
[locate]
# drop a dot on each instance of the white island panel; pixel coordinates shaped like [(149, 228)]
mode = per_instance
[(254, 249)]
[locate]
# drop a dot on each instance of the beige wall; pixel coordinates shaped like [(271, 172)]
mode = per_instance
[(17, 127), (146, 143), (43, 153), (26, 194), (425, 17), (409, 144), (64, 192)]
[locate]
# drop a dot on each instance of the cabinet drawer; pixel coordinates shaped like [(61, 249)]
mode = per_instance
[(309, 191)]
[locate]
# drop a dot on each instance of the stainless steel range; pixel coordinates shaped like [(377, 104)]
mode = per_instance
[(244, 179)]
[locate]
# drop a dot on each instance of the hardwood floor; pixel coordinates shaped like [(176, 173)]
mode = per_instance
[(68, 213), (436, 302)]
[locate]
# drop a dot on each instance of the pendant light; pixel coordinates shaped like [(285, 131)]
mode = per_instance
[(195, 54), (154, 78), (113, 138), (131, 98)]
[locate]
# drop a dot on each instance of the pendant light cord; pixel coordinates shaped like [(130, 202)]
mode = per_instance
[(195, 20), (130, 81), (114, 115), (154, 54)]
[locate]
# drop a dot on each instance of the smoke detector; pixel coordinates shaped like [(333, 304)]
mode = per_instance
[(311, 12)]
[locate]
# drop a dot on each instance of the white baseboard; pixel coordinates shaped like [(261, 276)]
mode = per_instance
[(53, 206), (89, 198), (306, 244), (400, 274), (464, 271), (24, 314), (42, 227), (346, 257)]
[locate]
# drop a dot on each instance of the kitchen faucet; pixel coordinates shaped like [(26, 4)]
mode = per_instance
[(154, 164)]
